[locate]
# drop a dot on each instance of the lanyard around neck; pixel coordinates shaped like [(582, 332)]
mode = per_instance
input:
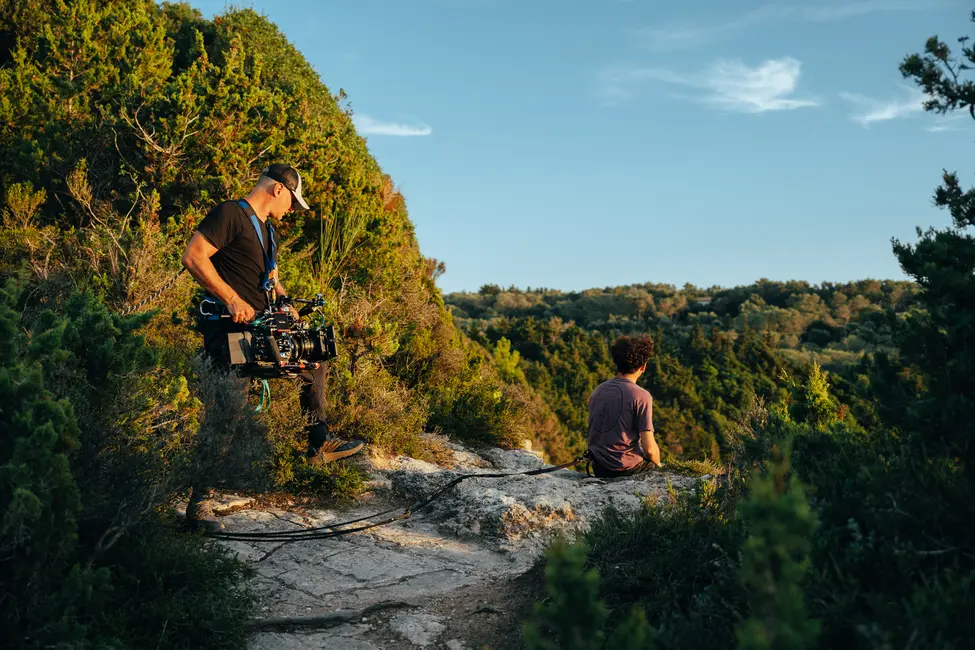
[(270, 263)]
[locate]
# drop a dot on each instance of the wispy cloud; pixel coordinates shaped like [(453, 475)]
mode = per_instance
[(949, 122), (909, 105), (727, 84), (366, 125), (685, 36), (870, 110)]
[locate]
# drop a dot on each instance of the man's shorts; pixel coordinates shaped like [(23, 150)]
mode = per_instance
[(601, 471)]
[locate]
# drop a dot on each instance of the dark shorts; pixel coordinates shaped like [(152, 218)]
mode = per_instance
[(601, 471)]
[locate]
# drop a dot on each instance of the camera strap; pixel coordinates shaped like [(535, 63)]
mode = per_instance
[(270, 263)]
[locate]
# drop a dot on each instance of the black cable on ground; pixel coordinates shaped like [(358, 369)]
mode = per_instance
[(325, 532)]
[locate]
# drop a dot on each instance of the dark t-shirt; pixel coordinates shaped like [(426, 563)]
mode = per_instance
[(618, 411), (238, 260)]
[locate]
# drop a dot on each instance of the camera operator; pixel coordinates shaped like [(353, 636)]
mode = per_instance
[(232, 256)]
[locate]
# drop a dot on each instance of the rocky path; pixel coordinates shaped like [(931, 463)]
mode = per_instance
[(455, 575)]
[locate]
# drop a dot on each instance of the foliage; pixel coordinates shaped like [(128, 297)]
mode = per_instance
[(82, 475), (173, 590), (701, 380), (826, 319), (41, 501), (935, 342), (775, 559), (666, 578), (477, 406), (573, 615)]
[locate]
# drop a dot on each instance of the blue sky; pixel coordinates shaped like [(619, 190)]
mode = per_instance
[(579, 144)]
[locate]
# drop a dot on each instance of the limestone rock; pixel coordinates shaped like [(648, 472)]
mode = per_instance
[(224, 504), (483, 531), (514, 460), (523, 511)]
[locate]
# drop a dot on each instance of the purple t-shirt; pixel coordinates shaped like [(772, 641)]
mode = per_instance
[(618, 411)]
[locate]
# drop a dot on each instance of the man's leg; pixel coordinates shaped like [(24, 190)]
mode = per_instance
[(643, 468), (322, 446), (599, 471), (199, 510)]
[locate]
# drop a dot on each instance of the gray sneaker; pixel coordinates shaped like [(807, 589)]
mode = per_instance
[(334, 449)]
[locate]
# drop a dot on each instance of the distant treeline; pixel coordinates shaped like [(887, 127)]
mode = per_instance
[(718, 350)]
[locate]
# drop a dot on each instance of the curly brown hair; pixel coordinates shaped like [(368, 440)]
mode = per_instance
[(631, 352)]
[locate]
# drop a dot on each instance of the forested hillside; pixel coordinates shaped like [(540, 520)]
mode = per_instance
[(718, 351), (829, 322), (122, 122)]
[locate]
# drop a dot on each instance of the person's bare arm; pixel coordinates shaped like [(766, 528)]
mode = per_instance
[(650, 448), (196, 260)]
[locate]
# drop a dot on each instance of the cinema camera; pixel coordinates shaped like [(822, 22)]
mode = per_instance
[(277, 343)]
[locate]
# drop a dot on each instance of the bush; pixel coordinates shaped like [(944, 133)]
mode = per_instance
[(40, 500), (894, 526), (79, 475), (775, 559), (174, 590), (666, 577), (479, 408), (572, 616), (677, 562)]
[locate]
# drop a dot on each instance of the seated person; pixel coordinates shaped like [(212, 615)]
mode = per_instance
[(620, 432)]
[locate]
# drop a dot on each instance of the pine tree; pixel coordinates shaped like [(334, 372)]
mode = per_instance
[(775, 559), (506, 360), (572, 618), (40, 502), (937, 341), (813, 404)]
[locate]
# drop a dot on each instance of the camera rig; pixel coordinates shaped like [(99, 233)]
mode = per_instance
[(277, 343)]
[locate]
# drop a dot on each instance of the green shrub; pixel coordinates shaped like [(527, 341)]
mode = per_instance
[(666, 577), (894, 524), (572, 616), (677, 562), (41, 502), (775, 558), (83, 472), (479, 408), (175, 590), (337, 479)]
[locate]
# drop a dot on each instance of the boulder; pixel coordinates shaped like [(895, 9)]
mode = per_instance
[(519, 511)]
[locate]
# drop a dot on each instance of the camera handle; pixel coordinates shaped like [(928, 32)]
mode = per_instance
[(276, 351), (310, 304)]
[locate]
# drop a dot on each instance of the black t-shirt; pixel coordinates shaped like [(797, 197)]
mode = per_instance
[(238, 260)]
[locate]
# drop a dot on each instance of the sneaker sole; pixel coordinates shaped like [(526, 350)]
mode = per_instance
[(329, 456)]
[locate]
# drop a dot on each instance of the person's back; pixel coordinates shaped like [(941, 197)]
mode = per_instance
[(620, 435)]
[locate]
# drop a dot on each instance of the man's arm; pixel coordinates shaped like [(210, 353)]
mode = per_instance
[(650, 449), (196, 260)]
